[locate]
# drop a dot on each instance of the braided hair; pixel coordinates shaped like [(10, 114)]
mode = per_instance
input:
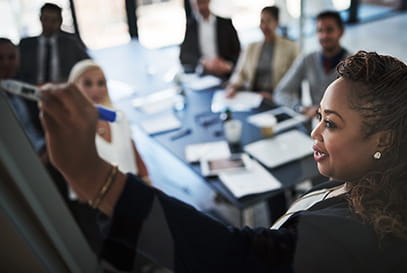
[(380, 197)]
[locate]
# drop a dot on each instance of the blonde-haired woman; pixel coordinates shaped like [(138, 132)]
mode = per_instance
[(113, 140)]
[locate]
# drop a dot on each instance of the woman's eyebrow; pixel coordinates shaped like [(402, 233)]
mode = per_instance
[(327, 111)]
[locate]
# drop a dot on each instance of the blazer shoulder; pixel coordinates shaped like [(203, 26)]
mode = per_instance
[(286, 41), (223, 19), (28, 40)]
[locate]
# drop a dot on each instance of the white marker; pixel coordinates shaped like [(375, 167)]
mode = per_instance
[(32, 92)]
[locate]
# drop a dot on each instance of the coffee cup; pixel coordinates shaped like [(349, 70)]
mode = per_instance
[(267, 124), (233, 130)]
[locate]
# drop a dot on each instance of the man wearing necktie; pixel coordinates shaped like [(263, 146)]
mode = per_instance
[(50, 56)]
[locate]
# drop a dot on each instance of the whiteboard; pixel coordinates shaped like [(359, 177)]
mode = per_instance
[(31, 203)]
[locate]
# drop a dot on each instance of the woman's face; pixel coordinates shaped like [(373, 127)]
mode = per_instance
[(340, 148), (268, 24), (93, 84)]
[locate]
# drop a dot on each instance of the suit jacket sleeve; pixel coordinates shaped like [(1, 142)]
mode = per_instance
[(198, 242), (245, 68), (326, 238), (228, 40), (289, 88), (189, 51), (70, 52), (28, 60)]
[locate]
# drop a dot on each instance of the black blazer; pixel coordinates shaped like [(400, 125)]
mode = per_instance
[(328, 237), (228, 44), (70, 52)]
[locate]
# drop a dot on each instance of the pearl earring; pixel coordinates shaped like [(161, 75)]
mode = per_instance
[(377, 155)]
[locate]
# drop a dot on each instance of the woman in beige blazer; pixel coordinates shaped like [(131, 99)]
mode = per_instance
[(250, 70)]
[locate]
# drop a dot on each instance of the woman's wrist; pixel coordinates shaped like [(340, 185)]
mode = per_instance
[(113, 195)]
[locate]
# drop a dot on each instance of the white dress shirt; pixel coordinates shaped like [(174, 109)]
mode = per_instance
[(207, 36), (54, 70)]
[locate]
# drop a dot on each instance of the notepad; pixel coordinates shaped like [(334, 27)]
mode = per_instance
[(161, 123), (286, 118), (197, 83), (120, 90), (156, 102), (241, 102), (255, 179), (209, 150), (281, 149)]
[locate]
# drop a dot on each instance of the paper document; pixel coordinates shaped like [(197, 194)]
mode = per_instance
[(281, 149), (156, 102), (254, 180), (119, 90), (208, 150), (161, 123), (241, 102), (286, 118), (197, 83)]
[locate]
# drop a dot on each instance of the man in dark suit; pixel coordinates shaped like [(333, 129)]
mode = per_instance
[(211, 44), (50, 56)]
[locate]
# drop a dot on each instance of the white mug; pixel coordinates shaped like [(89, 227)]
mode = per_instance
[(233, 130)]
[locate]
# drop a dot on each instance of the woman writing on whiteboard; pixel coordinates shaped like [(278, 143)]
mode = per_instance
[(357, 223)]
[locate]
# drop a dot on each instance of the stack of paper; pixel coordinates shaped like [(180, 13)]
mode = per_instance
[(242, 101), (281, 148), (161, 123), (208, 150), (156, 102), (201, 83), (286, 118), (254, 180), (119, 90)]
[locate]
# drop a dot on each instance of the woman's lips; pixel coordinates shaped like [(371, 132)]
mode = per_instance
[(318, 154)]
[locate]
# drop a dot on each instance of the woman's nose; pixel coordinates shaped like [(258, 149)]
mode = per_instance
[(316, 132)]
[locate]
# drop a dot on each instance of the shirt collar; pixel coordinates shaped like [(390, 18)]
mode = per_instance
[(211, 19), (52, 39)]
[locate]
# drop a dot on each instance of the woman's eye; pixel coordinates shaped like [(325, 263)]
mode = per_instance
[(329, 124), (319, 116), (87, 83), (101, 83)]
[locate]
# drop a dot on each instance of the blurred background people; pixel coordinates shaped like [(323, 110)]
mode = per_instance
[(9, 63), (317, 68), (211, 44), (50, 56), (264, 63), (113, 140)]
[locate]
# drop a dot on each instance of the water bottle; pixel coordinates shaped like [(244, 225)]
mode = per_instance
[(232, 127), (180, 97)]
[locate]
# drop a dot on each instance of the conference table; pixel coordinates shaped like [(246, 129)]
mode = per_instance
[(144, 72)]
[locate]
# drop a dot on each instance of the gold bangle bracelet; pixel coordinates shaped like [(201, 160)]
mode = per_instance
[(105, 188)]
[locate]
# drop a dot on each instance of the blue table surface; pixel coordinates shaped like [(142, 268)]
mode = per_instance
[(146, 71)]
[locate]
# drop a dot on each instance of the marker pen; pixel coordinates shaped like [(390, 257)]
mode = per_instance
[(32, 92)]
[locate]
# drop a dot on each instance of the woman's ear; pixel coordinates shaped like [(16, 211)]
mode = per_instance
[(385, 139)]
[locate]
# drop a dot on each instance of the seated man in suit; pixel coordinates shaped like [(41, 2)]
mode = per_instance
[(50, 56), (211, 44), (9, 62), (316, 68), (264, 63)]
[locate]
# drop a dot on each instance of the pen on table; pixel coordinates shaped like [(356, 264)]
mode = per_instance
[(32, 92), (181, 133)]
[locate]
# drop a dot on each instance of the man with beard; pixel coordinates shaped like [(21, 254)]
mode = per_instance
[(317, 68)]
